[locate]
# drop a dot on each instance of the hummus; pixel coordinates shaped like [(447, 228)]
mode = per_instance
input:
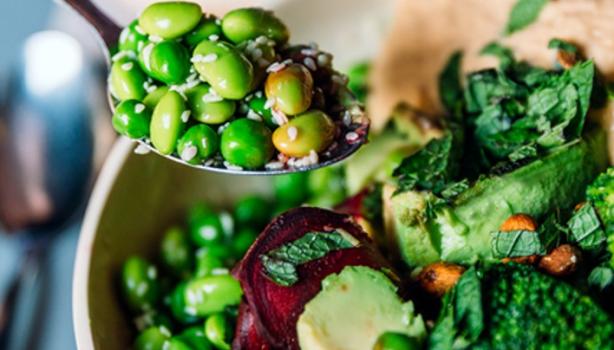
[(425, 33)]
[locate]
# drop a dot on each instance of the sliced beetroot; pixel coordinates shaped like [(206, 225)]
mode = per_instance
[(276, 308), (247, 336)]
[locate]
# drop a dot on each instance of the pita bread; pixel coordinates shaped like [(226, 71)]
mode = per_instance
[(425, 33)]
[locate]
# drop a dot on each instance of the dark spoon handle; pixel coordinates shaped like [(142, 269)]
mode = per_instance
[(106, 28)]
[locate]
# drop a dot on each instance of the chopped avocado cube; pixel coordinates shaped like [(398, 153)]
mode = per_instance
[(351, 311), (461, 232)]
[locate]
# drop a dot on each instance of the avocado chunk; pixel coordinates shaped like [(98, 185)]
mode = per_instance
[(461, 232), (353, 309)]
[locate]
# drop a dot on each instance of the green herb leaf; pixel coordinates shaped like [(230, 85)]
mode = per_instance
[(469, 304), (523, 14), (511, 244), (450, 88), (372, 205), (551, 232), (504, 54), (560, 44), (586, 229), (454, 189), (281, 264), (443, 335), (601, 277), (523, 152)]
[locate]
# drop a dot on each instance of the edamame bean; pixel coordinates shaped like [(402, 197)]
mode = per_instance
[(132, 38), (225, 68), (242, 241), (218, 250), (195, 337), (153, 318), (197, 211), (219, 331), (168, 121), (211, 294), (153, 98), (198, 144), (207, 107), (140, 284), (291, 88), (132, 118), (207, 29), (247, 143), (170, 20), (292, 188), (207, 262), (252, 211), (127, 80), (152, 338), (207, 230), (167, 61), (261, 54), (177, 304), (326, 187), (396, 341), (176, 343), (310, 131), (257, 104), (249, 23), (176, 252)]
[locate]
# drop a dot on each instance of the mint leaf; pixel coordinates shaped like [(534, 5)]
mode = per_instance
[(468, 307), (560, 44), (523, 152), (454, 189), (586, 229), (551, 232), (504, 54), (523, 14), (511, 244), (450, 88), (281, 264), (601, 277)]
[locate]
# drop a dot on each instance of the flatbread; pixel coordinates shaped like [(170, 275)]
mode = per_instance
[(425, 33)]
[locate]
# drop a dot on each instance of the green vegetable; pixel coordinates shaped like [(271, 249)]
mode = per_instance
[(511, 244), (450, 88), (176, 252), (292, 188), (250, 23), (291, 88), (242, 241), (259, 106), (396, 341), (207, 107), (312, 131), (208, 28), (168, 122), (207, 230), (132, 38), (171, 19), (167, 61), (586, 229), (207, 262), (198, 144), (252, 211), (219, 331), (132, 118), (523, 14), (495, 308), (562, 45), (126, 81), (153, 98), (195, 337), (140, 285), (152, 338), (601, 195), (247, 143), (208, 295), (280, 264), (177, 304)]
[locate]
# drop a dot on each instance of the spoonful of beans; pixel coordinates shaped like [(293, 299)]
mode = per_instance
[(226, 94)]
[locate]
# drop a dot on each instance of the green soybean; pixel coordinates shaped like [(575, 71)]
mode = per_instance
[(176, 343), (171, 19), (152, 98), (152, 338), (177, 304), (176, 252), (168, 122), (247, 143), (396, 341), (167, 61), (132, 118), (292, 188), (257, 104), (310, 131), (219, 331), (207, 230), (225, 68), (249, 23), (212, 294), (261, 54), (127, 80), (252, 211), (132, 38), (242, 241), (207, 107), (291, 88), (199, 143), (207, 262), (140, 284), (153, 318), (207, 29), (195, 337)]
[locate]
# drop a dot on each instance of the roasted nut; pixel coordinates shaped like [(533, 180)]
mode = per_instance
[(579, 206), (438, 278), (519, 222), (561, 261), (527, 260), (566, 59)]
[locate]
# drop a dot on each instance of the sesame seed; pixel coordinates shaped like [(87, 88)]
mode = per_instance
[(258, 94), (139, 30), (254, 116), (340, 79), (218, 22), (209, 58), (185, 116), (309, 52), (222, 128), (212, 96), (142, 149), (292, 133), (269, 103), (275, 67), (219, 271), (313, 45), (122, 54), (351, 136), (197, 58), (151, 88), (139, 108), (141, 289), (347, 118), (155, 38), (147, 55), (227, 222), (232, 166), (152, 273), (262, 40), (279, 117), (214, 37), (127, 66), (324, 59), (274, 165), (310, 63)]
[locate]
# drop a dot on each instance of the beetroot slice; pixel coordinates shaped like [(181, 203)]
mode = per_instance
[(276, 308), (246, 334)]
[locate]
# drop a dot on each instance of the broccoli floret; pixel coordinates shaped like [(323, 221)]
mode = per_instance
[(601, 195), (509, 306)]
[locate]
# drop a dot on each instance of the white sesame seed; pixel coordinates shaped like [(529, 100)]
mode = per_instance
[(351, 136), (262, 40), (227, 222), (269, 103), (347, 118), (274, 165), (151, 88), (263, 62), (232, 166), (313, 45), (219, 271), (127, 66), (185, 116), (210, 58), (147, 55), (279, 117), (222, 128), (155, 38), (122, 54), (166, 345), (141, 289), (139, 30), (212, 96), (253, 116), (287, 61), (310, 63), (275, 67), (142, 149), (309, 52), (258, 94), (324, 59), (197, 58), (152, 273), (218, 22), (214, 37), (139, 108), (292, 133), (340, 79)]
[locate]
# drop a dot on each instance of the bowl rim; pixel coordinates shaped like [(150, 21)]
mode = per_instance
[(116, 159)]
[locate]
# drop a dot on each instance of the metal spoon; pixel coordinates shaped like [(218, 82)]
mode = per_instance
[(350, 139), (46, 149)]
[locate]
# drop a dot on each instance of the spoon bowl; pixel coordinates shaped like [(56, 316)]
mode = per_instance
[(353, 134)]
